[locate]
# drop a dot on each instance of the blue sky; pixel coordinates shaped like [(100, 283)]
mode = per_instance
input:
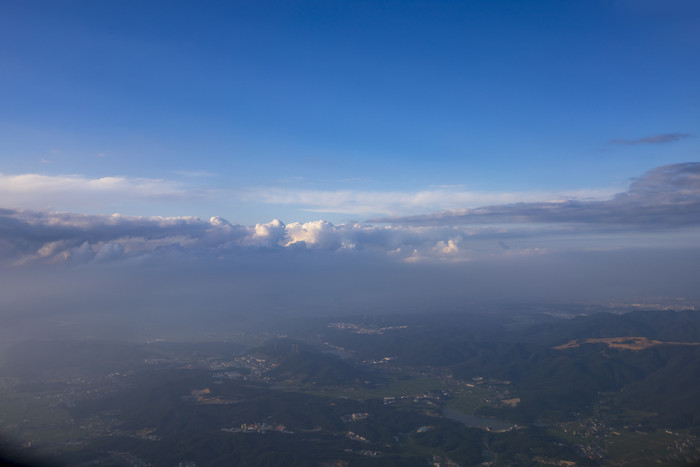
[(527, 136), (231, 98)]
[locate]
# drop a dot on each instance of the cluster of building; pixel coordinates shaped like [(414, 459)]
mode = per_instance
[(381, 361), (359, 329), (241, 367), (356, 437), (354, 417), (364, 452), (431, 399), (204, 396), (258, 427), (147, 433)]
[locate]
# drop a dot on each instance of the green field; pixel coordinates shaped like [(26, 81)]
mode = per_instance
[(396, 388), (635, 448), (468, 400)]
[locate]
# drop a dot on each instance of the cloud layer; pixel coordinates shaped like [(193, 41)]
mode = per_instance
[(655, 139), (36, 191), (665, 197), (399, 202), (662, 204), (28, 237), (83, 194)]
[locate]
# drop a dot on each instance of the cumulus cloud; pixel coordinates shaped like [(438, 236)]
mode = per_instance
[(54, 236), (30, 237), (320, 233), (662, 201), (655, 139), (271, 233), (665, 197)]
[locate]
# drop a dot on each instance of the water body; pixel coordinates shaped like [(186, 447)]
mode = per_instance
[(339, 353), (477, 422)]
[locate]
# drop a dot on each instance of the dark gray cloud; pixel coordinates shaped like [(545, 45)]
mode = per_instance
[(665, 197), (26, 235), (655, 139)]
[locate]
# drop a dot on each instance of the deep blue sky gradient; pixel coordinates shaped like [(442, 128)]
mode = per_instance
[(492, 96)]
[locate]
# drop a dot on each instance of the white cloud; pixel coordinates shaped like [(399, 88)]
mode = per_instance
[(35, 236), (320, 234), (79, 193), (447, 248), (664, 197), (394, 203), (36, 191), (668, 193), (270, 234)]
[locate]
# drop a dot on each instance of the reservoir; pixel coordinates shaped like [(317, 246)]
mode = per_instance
[(477, 422), (339, 353)]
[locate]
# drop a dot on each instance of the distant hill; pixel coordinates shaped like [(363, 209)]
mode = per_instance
[(300, 362), (560, 382), (39, 359), (665, 325)]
